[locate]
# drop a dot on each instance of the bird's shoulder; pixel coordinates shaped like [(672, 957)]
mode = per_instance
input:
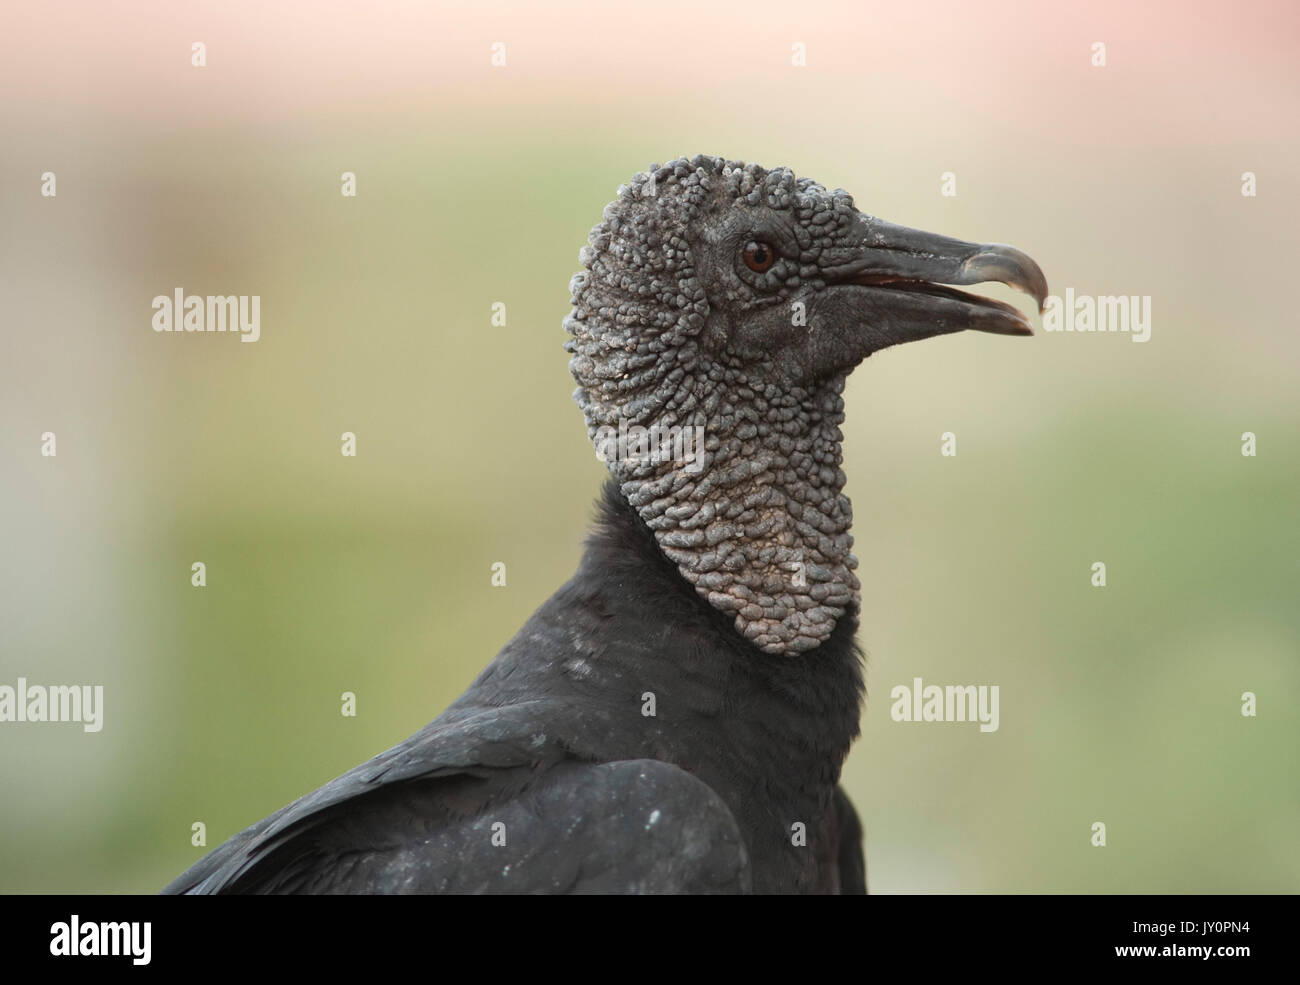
[(485, 800)]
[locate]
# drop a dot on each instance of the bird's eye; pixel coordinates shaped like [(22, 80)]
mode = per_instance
[(759, 257)]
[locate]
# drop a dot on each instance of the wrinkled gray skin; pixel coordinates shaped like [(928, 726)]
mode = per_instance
[(671, 327)]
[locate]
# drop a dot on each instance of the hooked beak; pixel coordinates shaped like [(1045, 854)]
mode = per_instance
[(899, 280)]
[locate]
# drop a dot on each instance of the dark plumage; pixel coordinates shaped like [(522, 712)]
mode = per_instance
[(674, 719)]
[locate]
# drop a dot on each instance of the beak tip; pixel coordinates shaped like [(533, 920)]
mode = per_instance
[(1013, 267)]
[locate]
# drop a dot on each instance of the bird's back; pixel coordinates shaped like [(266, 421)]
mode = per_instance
[(626, 740)]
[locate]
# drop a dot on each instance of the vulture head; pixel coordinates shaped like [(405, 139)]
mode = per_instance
[(720, 308)]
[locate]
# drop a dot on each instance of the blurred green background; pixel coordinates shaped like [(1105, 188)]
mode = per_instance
[(478, 185)]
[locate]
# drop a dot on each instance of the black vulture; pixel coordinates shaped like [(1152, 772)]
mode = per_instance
[(675, 718)]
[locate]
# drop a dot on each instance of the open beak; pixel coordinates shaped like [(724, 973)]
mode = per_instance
[(902, 281)]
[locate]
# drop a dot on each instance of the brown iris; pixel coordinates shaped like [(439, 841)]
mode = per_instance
[(759, 257)]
